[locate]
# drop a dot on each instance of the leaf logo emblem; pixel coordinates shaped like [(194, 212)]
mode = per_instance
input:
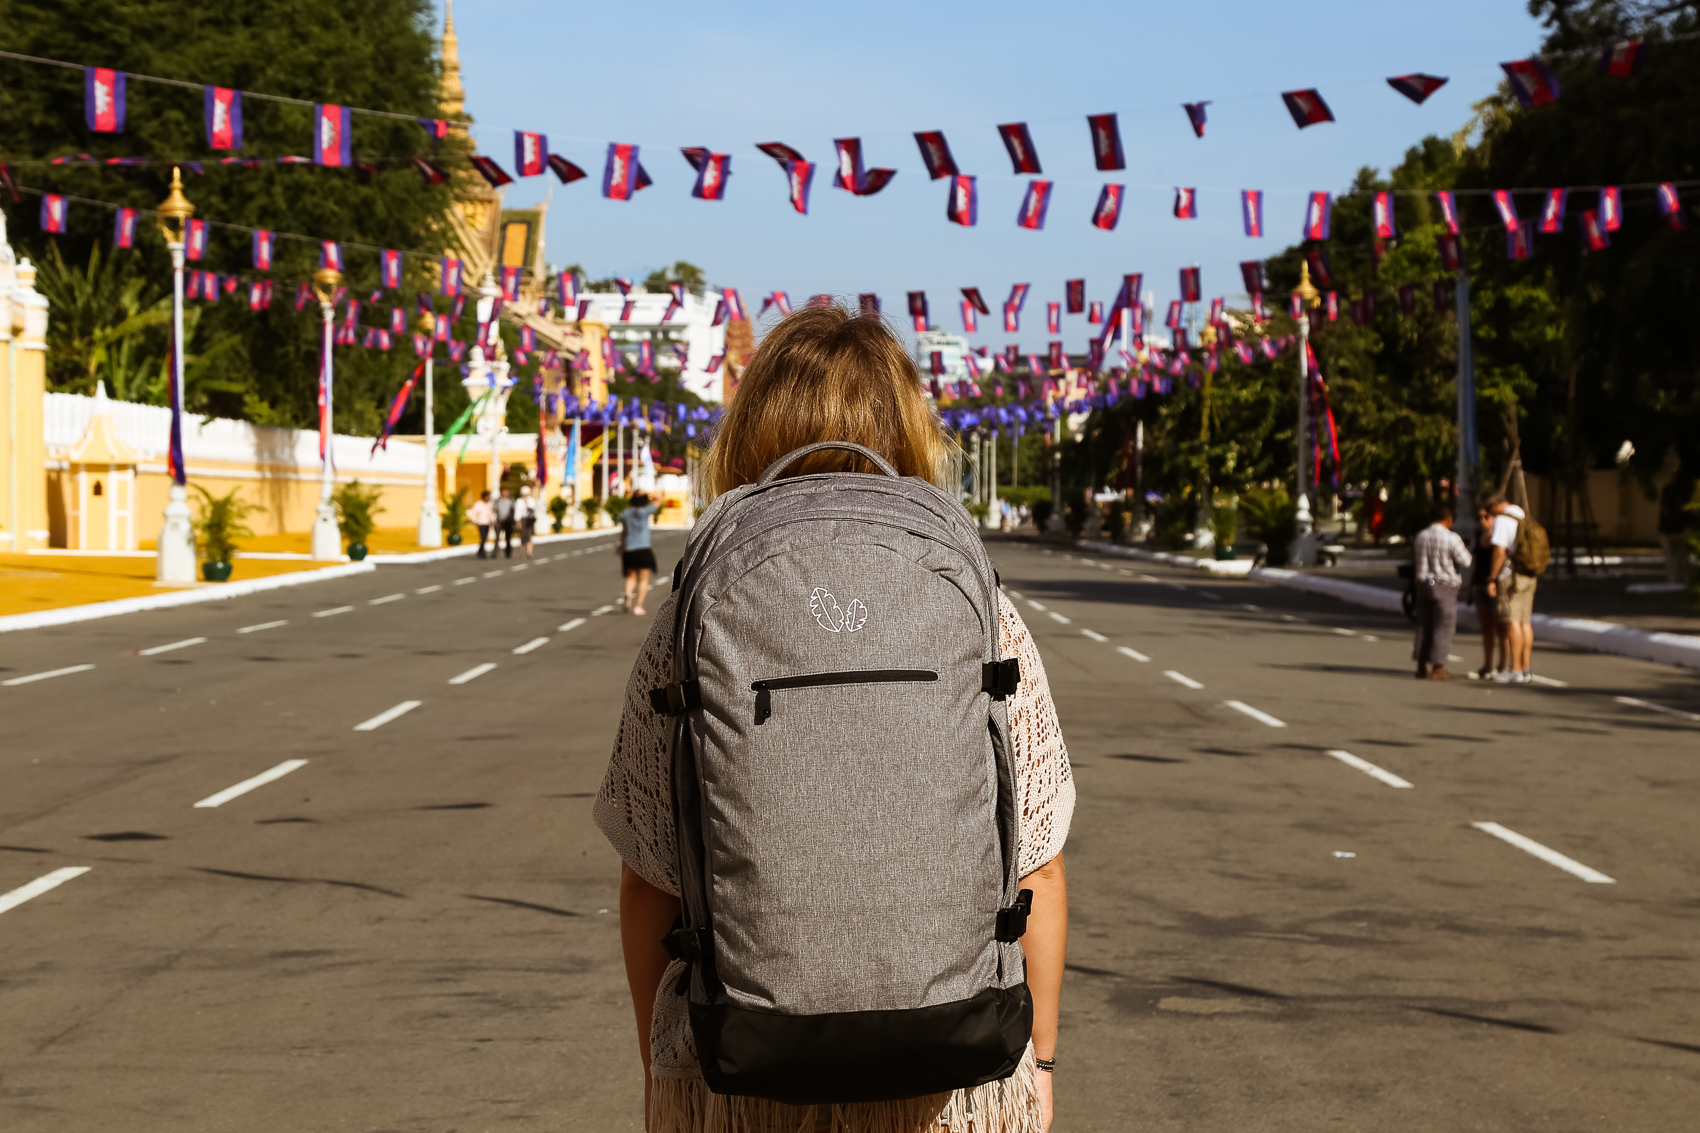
[(825, 609), (856, 616)]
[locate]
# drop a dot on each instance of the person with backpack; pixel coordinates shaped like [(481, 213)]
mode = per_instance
[(1520, 554), (525, 514), (839, 790), (504, 525)]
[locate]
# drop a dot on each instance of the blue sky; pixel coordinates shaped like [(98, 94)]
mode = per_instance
[(727, 75)]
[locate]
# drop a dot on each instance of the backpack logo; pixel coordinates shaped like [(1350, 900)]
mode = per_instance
[(827, 612)]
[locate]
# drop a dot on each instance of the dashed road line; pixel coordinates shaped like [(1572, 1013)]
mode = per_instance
[(184, 644), (1014, 594), (1036, 605), (1148, 578), (1347, 632), (1252, 608), (264, 625), (473, 673), (565, 626), (1181, 679), (519, 566), (247, 785), (387, 715), (534, 643), (1632, 702), (47, 881), (1370, 769), (1056, 617), (1257, 714), (33, 677), (428, 589), (1124, 570), (1545, 853), (464, 581), (1134, 653), (599, 611), (1098, 637), (333, 611), (384, 599), (1550, 682), (494, 573)]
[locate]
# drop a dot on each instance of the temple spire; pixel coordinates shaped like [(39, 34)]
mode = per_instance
[(451, 98)]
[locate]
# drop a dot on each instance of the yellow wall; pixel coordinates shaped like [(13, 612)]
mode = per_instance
[(23, 472)]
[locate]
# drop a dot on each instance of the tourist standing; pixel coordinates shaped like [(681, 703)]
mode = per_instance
[(637, 557), (525, 512), (1440, 556), (1481, 597), (1513, 591), (504, 525), (483, 516)]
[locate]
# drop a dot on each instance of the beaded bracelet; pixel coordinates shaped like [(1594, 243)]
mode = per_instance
[(1048, 1065)]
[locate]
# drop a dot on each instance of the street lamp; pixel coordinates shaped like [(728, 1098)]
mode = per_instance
[(327, 544), (1303, 550), (175, 560), (487, 377), (430, 521)]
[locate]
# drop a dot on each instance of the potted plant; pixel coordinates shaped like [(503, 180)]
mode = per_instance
[(356, 504), (1225, 526), (454, 517), (590, 507), (218, 524), (614, 505), (558, 513)]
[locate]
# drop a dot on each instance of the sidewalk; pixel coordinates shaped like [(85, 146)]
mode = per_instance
[(34, 583)]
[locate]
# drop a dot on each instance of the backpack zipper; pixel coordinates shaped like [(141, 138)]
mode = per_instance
[(763, 689)]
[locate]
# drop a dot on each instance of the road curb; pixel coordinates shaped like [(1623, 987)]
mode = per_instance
[(1583, 633), (405, 558), (215, 592)]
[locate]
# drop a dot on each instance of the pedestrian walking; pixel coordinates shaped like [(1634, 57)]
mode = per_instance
[(1481, 597), (1439, 558), (525, 513), (483, 517), (504, 525), (1519, 555), (815, 844), (637, 556)]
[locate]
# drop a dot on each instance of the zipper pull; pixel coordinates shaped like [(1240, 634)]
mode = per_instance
[(764, 703)]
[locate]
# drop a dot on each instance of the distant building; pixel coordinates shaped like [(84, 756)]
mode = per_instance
[(690, 327), (952, 346)]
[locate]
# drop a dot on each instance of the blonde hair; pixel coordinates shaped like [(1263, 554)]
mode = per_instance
[(823, 374)]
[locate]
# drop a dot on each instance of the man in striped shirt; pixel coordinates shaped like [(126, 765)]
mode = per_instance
[(1437, 565)]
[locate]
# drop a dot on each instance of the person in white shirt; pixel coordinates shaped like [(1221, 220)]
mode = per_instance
[(483, 517), (1439, 560), (525, 512), (1513, 594)]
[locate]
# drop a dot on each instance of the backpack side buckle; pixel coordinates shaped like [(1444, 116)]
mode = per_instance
[(1001, 678), (1012, 922), (676, 699)]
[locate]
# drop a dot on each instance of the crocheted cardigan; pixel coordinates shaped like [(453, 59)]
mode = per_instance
[(634, 810)]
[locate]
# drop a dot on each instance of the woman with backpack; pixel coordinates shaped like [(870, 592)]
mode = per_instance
[(842, 897)]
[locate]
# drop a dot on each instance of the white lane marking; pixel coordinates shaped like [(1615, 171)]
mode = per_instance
[(1098, 637), (1256, 714), (473, 673), (387, 715), (1347, 632), (1123, 570), (602, 610), (1089, 562), (1181, 679), (1550, 682), (1629, 700), (10, 901), (385, 598), (493, 573), (1149, 578), (1546, 854), (428, 590), (65, 672), (1288, 618), (247, 785), (1045, 552), (184, 644), (1369, 769), (1014, 594), (1453, 657), (1058, 617), (1371, 637), (565, 626), (1035, 605), (464, 581), (333, 611), (1249, 606), (263, 625), (1134, 653), (519, 566), (534, 643), (663, 580)]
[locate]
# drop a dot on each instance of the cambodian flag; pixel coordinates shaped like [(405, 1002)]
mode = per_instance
[(1320, 269), (1670, 206), (1251, 274), (223, 109), (1195, 115), (1519, 241), (1053, 318), (626, 310), (1306, 107), (1611, 208), (565, 171), (398, 320), (712, 173), (963, 205), (1331, 305), (970, 318), (1174, 319), (195, 239), (1035, 364), (1106, 141), (103, 100), (531, 153), (433, 174), (330, 255), (734, 304), (257, 295), (918, 309), (333, 135), (713, 366), (450, 270), (620, 172), (1019, 143), (566, 289), (1034, 205), (1416, 87), (1507, 208), (490, 171), (1251, 210), (1319, 214), (1186, 204), (124, 228), (263, 242), (1057, 359), (935, 153), (583, 309), (54, 212), (972, 294), (1448, 209), (1451, 251), (799, 178), (935, 362), (1109, 208), (1532, 81), (1382, 207), (303, 292), (1074, 294), (851, 175), (510, 284), (1095, 313), (440, 328), (1623, 59), (1243, 351), (1552, 210), (435, 128), (1017, 296), (1192, 290), (397, 407), (389, 269)]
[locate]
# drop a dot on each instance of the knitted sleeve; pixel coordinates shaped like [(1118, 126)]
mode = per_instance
[(1041, 759)]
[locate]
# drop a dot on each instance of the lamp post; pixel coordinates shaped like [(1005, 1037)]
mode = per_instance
[(430, 520), (1302, 552), (175, 560), (327, 542), (487, 376), (1205, 535)]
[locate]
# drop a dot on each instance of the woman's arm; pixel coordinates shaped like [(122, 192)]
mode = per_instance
[(647, 915), (1045, 945)]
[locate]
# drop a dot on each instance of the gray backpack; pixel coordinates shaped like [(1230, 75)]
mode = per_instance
[(844, 794)]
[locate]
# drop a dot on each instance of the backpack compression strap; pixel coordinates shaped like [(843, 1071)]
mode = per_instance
[(1001, 678), (676, 699)]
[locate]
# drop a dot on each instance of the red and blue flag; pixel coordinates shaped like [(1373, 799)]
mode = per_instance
[(1611, 208), (712, 172), (333, 135), (1532, 81), (1106, 141), (1195, 115), (103, 100), (510, 284), (1416, 87), (799, 179), (1186, 204), (620, 172), (1053, 318), (1382, 211), (565, 171), (1095, 313), (1019, 142), (435, 128), (1552, 210), (450, 270), (1451, 251), (1623, 59), (963, 205), (1251, 210), (55, 213), (1173, 321), (935, 154), (195, 239), (1034, 205), (330, 255), (124, 228), (972, 294), (970, 318), (1319, 213), (490, 171), (1506, 207), (389, 269), (1520, 241), (397, 407), (1074, 292), (223, 112), (264, 239), (1670, 206), (1251, 274), (1109, 208), (1192, 289), (918, 309), (434, 174), (1306, 107), (1448, 209), (531, 153)]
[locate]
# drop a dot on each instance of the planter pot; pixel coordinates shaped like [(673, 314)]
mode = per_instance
[(453, 539), (1223, 554), (556, 527), (215, 572), (356, 551)]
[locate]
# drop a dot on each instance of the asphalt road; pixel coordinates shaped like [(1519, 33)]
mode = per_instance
[(414, 928)]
